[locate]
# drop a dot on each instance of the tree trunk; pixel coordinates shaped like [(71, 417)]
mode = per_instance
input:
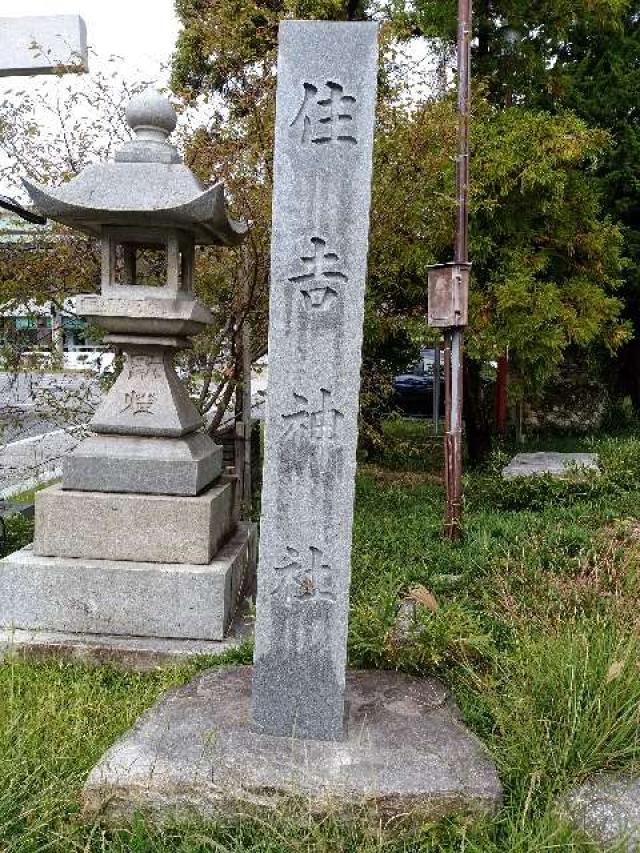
[(477, 424), (502, 383)]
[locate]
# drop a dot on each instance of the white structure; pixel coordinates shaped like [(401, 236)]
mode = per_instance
[(45, 44)]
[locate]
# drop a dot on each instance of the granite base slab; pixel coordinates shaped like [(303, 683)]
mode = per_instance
[(142, 465), (407, 755), (125, 598), (607, 809), (131, 654), (140, 528), (551, 463)]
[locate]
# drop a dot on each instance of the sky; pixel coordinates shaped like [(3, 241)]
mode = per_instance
[(142, 32)]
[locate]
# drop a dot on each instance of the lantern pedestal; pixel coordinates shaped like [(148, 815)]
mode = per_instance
[(141, 528), (125, 599), (140, 654), (154, 466)]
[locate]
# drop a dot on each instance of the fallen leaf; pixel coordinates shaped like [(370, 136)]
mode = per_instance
[(614, 670), (421, 595)]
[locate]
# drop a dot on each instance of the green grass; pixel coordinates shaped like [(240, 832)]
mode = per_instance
[(29, 495), (534, 630)]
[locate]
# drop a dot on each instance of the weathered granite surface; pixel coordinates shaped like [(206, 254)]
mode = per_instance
[(147, 528), (147, 398), (324, 135), (171, 600), (406, 755), (143, 310), (41, 44), (555, 464), (607, 808), (155, 466), (137, 654)]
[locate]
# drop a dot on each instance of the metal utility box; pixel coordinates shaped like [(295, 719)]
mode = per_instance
[(448, 295)]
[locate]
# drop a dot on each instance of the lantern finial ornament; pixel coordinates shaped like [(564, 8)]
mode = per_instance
[(151, 116)]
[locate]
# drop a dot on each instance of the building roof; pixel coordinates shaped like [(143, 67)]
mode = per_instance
[(13, 229)]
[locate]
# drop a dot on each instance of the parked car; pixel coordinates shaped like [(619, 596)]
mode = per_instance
[(413, 390)]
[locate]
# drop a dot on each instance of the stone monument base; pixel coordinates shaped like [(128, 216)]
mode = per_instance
[(406, 756), (124, 598)]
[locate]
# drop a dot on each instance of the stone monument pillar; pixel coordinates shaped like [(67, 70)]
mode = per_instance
[(141, 539), (322, 186)]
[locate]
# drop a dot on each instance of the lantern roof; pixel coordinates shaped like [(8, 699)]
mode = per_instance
[(146, 185)]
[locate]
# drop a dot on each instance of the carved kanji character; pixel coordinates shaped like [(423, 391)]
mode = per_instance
[(312, 580), (139, 402), (144, 366), (321, 424), (316, 284), (326, 119)]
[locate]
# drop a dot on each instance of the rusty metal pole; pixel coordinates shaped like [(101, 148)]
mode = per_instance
[(454, 337)]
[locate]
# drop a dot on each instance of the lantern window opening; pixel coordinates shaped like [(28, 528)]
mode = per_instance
[(147, 257)]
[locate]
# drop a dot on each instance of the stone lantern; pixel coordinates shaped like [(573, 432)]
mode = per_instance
[(136, 528), (147, 199)]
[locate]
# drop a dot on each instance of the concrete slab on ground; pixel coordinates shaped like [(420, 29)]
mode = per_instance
[(551, 463), (406, 756)]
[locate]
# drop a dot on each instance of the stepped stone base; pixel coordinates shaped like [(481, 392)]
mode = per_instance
[(134, 654), (153, 466), (170, 600), (406, 757), (114, 526)]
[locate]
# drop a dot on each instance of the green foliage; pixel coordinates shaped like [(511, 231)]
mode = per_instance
[(19, 532), (225, 45), (521, 46), (546, 263), (555, 55), (602, 84), (620, 474), (431, 642)]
